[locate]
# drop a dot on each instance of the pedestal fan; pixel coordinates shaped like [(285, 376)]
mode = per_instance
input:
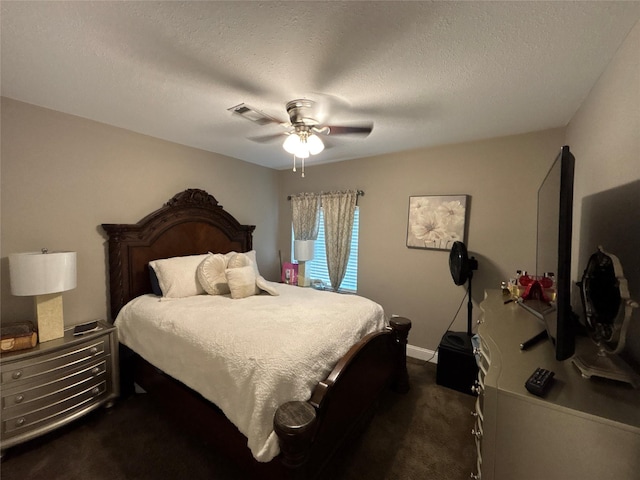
[(462, 267), (457, 367)]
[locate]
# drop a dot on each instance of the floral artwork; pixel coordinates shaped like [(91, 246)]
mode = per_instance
[(436, 221)]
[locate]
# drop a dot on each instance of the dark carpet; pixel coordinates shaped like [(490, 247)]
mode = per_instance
[(425, 434)]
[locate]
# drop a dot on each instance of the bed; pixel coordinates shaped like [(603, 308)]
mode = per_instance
[(309, 422)]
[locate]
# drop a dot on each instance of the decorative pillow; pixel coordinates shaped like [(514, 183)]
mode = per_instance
[(267, 286), (177, 276), (244, 260), (211, 274), (242, 281)]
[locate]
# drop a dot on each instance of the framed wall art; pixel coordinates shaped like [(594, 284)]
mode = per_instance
[(436, 221)]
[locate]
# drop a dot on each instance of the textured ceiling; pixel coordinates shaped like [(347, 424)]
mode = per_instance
[(425, 73)]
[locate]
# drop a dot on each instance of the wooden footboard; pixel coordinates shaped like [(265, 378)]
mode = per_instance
[(310, 433)]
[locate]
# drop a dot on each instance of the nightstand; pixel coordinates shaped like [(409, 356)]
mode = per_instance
[(57, 382)]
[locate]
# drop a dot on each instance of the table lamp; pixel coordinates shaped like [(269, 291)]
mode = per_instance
[(44, 275), (303, 252)]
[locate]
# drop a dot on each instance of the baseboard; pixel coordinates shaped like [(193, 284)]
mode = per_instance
[(423, 354)]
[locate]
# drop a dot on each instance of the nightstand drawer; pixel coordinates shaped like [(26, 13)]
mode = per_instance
[(57, 382), (25, 398), (15, 424), (47, 365)]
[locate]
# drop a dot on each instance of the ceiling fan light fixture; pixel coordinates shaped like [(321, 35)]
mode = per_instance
[(292, 143), (315, 144), (302, 151), (303, 145)]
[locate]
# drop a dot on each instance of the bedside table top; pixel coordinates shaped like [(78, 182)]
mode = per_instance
[(66, 341)]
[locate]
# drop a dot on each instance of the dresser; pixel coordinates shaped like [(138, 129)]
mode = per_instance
[(56, 382), (581, 429)]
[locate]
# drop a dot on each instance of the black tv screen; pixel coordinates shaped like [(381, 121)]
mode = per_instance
[(553, 249)]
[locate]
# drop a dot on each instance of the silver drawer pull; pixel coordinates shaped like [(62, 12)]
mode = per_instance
[(18, 398), (474, 414), (475, 476), (476, 433), (16, 375), (95, 370), (95, 391), (477, 388), (20, 422), (93, 351)]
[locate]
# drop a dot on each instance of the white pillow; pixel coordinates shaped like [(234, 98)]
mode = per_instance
[(242, 281), (178, 277), (244, 260), (267, 286), (211, 274)]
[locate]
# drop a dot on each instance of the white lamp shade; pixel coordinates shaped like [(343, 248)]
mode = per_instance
[(302, 151), (315, 144), (303, 250), (292, 143), (37, 273)]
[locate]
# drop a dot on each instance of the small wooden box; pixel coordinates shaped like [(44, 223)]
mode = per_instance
[(18, 336)]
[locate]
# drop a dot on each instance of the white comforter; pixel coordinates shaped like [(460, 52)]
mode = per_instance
[(248, 356)]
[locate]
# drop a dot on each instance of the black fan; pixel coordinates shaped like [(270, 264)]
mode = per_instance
[(462, 267)]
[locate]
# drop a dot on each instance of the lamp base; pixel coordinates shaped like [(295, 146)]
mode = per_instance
[(50, 318), (303, 280)]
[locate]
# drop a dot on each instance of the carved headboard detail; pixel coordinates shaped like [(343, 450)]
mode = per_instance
[(190, 223)]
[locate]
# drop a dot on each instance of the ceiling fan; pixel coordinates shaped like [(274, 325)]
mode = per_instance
[(303, 128)]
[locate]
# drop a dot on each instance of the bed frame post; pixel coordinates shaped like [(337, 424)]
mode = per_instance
[(401, 327), (294, 423)]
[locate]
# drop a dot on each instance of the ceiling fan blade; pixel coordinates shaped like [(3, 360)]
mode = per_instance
[(344, 130), (268, 138)]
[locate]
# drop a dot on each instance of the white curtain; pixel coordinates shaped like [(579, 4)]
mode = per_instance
[(306, 213), (339, 208)]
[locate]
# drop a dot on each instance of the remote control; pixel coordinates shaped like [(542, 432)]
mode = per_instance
[(539, 381)]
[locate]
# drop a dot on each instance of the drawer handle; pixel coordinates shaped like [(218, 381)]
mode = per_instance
[(474, 414), (476, 433), (95, 391), (16, 375), (20, 422), (477, 388), (19, 398), (95, 370), (93, 351), (475, 476)]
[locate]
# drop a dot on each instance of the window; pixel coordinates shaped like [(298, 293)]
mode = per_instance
[(316, 269)]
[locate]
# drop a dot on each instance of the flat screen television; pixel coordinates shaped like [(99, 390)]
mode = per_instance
[(553, 253)]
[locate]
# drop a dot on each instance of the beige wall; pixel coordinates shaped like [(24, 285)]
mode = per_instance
[(605, 136), (501, 176), (62, 176)]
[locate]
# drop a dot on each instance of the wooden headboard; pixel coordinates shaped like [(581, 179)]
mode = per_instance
[(190, 223)]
